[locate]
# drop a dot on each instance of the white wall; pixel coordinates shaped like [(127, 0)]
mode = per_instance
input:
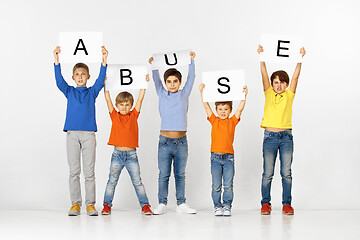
[(225, 35)]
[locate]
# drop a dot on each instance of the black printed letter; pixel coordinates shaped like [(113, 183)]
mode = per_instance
[(122, 76), (224, 85), (167, 60), (284, 48), (82, 48)]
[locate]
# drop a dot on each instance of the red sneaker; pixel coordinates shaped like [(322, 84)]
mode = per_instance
[(266, 209), (288, 210), (146, 210), (106, 210)]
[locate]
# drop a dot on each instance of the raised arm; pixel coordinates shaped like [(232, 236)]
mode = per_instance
[(108, 100), (100, 81), (264, 74), (191, 75), (60, 81), (295, 77), (242, 104), (141, 96), (156, 76), (206, 104)]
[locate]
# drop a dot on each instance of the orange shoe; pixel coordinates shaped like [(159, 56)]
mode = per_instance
[(91, 211), (266, 209), (106, 210), (146, 210), (74, 210), (288, 210)]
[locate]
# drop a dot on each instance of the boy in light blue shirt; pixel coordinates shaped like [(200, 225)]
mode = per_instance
[(173, 147)]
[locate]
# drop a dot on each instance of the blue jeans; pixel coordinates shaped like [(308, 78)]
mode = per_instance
[(172, 150), (274, 142), (222, 171), (119, 160)]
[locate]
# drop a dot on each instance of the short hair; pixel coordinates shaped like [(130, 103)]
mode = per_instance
[(172, 72), (229, 103), (80, 65), (283, 76), (124, 97)]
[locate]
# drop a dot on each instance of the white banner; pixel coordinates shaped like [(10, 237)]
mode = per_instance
[(223, 86), (281, 49), (80, 47), (123, 77), (171, 59)]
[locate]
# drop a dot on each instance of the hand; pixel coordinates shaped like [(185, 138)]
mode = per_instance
[(147, 78), (105, 54), (302, 51), (245, 90), (151, 59), (201, 87), (56, 54), (260, 49), (192, 55)]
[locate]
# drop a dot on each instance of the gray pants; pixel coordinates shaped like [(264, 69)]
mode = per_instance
[(81, 142)]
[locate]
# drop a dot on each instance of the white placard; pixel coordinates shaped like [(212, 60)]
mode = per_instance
[(80, 47), (223, 85), (123, 77), (281, 49), (171, 59)]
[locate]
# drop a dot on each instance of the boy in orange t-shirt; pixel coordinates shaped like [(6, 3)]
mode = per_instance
[(124, 138), (222, 151)]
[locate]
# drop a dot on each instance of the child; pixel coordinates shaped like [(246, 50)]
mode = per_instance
[(278, 134), (80, 125), (124, 137), (222, 151), (173, 107)]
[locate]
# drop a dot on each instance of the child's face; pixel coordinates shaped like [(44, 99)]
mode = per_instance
[(124, 107), (172, 84), (223, 111), (80, 76), (279, 86)]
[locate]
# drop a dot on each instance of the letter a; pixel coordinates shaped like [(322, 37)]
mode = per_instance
[(167, 60), (82, 48)]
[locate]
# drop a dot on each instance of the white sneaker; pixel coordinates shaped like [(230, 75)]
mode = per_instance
[(218, 211), (227, 211), (161, 209), (184, 208)]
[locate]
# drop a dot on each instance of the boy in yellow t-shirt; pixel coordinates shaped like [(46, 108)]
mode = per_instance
[(222, 151), (278, 135)]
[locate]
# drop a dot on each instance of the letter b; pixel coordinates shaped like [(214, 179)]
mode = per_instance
[(125, 73)]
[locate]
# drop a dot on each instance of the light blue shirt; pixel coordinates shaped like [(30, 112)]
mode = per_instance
[(173, 107)]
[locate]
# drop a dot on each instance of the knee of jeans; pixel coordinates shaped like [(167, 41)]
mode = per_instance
[(180, 177), (268, 175), (75, 173), (216, 188), (286, 174), (228, 187), (164, 177)]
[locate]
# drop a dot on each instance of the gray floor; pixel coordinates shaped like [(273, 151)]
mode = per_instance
[(305, 224)]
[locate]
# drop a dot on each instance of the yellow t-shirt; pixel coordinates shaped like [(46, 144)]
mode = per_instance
[(278, 109)]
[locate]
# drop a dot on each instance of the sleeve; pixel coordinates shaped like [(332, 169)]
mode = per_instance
[(135, 113), (234, 120), (212, 118), (158, 84), (99, 83), (190, 79), (113, 114), (60, 82), (290, 93), (268, 91)]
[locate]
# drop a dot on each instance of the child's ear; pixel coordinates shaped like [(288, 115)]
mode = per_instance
[(73, 77), (89, 77)]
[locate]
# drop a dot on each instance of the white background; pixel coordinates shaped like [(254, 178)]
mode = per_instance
[(224, 35)]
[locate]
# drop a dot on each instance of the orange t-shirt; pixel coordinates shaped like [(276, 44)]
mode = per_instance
[(222, 133), (124, 129)]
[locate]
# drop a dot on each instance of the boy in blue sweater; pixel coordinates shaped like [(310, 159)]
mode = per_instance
[(80, 126), (173, 107)]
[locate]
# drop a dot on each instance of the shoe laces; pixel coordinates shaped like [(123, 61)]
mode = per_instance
[(75, 207), (90, 208)]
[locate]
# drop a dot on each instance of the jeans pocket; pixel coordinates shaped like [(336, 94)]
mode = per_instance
[(133, 156)]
